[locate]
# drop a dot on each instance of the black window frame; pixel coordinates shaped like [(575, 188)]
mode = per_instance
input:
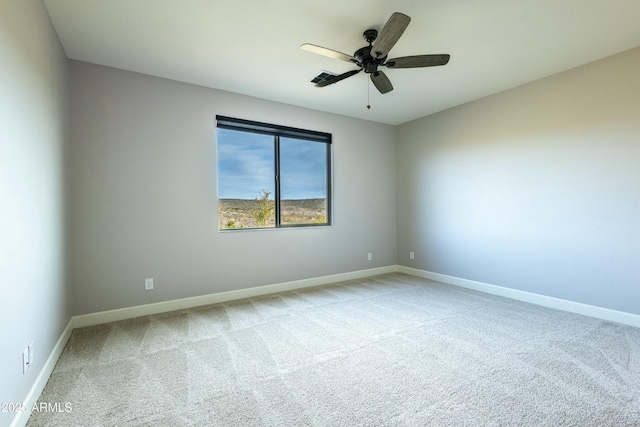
[(278, 131)]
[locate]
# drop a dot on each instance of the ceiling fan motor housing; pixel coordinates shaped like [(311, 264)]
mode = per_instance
[(363, 55)]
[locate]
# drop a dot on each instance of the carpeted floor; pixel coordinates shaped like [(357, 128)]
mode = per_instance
[(392, 350)]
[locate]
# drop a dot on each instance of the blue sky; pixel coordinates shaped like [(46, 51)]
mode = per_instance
[(246, 166)]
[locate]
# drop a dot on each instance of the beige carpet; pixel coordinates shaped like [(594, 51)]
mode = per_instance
[(392, 350)]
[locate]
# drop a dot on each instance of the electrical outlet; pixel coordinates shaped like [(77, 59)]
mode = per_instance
[(369, 256), (148, 284), (30, 349), (412, 255), (25, 360)]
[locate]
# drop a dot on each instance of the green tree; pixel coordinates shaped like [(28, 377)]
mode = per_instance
[(265, 208), (232, 224)]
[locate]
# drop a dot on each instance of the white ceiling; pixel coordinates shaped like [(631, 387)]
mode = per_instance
[(252, 47)]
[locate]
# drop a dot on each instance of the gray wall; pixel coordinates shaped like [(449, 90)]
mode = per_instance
[(144, 203), (34, 297), (535, 189)]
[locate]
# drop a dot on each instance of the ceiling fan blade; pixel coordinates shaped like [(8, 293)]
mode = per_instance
[(327, 52), (390, 34), (381, 82), (418, 61), (336, 79)]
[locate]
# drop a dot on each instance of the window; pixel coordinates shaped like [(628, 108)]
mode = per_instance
[(272, 176)]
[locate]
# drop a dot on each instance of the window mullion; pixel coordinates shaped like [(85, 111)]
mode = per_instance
[(276, 140)]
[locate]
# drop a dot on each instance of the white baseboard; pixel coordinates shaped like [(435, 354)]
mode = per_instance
[(545, 301), (22, 418), (163, 307)]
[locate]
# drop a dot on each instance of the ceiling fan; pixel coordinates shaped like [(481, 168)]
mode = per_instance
[(369, 58)]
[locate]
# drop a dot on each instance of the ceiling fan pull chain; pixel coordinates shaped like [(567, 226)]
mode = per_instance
[(368, 102)]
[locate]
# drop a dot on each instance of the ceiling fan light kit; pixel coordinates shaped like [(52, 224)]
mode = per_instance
[(373, 56)]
